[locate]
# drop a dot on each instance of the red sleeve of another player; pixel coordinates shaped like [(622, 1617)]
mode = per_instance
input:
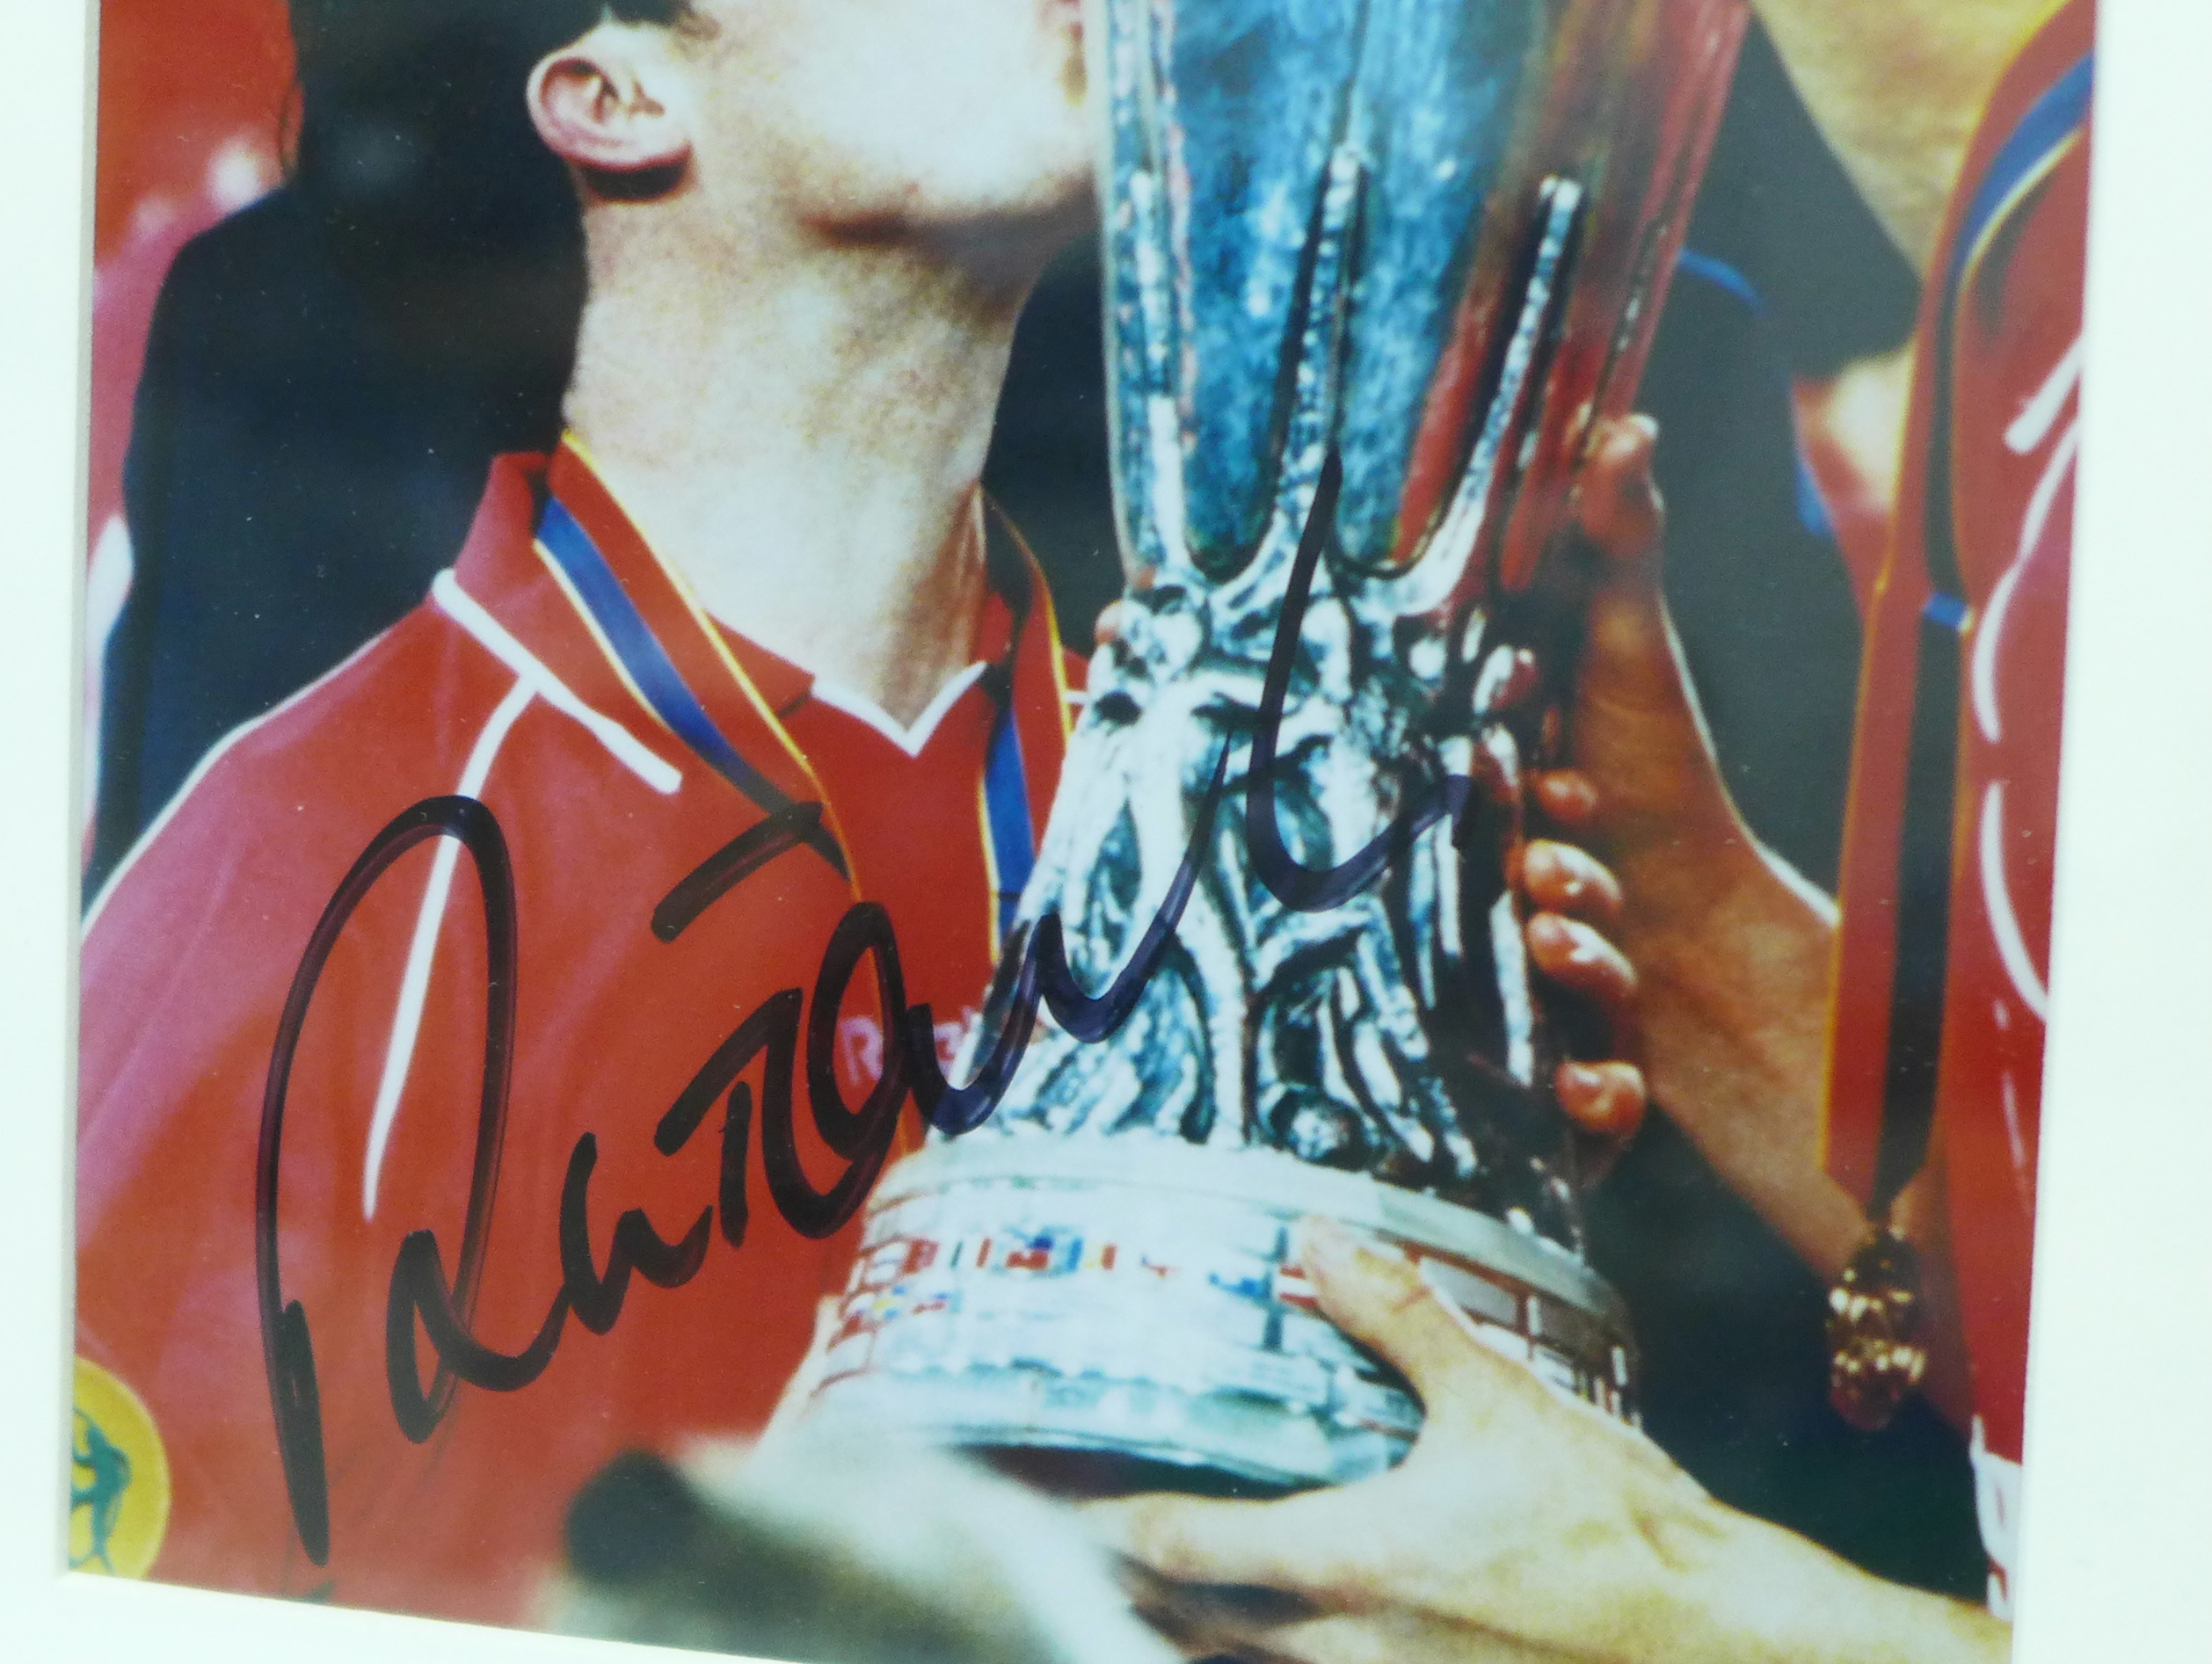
[(1866, 937), (186, 968), (1860, 1037), (176, 983)]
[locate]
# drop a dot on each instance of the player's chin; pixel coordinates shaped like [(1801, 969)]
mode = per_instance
[(1011, 228)]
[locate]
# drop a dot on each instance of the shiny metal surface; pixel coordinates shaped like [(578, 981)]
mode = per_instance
[(1135, 1303), (1374, 266)]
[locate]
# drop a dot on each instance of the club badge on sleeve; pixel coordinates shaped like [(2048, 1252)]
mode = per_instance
[(119, 1478)]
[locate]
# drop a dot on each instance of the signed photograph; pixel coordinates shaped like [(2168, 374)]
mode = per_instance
[(1093, 831)]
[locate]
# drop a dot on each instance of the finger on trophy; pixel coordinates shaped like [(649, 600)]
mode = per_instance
[(1566, 799), (1617, 505), (1606, 1101), (1113, 619), (1559, 878), (1592, 986), (1108, 629)]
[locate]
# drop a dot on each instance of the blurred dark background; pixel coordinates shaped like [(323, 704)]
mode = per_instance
[(330, 371)]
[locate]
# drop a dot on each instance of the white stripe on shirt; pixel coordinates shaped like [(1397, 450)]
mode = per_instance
[(466, 611), (414, 987)]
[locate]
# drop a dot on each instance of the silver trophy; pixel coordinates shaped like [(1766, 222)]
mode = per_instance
[(1374, 268)]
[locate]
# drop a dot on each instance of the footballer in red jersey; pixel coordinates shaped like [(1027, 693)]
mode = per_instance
[(1943, 968), (482, 1059), (561, 679), (1868, 1075)]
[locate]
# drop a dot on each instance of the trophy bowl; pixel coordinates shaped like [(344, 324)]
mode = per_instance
[(1374, 268)]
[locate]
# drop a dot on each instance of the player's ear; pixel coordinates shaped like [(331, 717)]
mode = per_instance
[(606, 103)]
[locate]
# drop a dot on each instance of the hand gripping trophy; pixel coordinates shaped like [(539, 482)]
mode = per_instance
[(1374, 268)]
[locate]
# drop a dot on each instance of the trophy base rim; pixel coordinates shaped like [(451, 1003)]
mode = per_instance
[(1076, 1437), (1127, 1310), (1267, 1179)]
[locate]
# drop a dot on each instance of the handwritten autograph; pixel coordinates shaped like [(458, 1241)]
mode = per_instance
[(423, 1299)]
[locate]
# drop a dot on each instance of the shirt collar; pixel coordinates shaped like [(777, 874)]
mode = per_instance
[(506, 568)]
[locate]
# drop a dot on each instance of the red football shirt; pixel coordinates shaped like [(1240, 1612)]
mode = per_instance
[(1945, 959), (561, 679), (927, 848)]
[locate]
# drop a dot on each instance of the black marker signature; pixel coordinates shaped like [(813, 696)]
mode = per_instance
[(424, 1301)]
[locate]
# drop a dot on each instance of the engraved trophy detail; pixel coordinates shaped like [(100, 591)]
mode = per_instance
[(1373, 269)]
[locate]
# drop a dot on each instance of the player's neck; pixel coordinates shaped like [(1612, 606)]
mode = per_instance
[(800, 432), (1898, 88)]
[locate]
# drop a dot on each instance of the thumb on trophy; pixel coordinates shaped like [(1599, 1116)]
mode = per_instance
[(1622, 519), (1643, 791), (1617, 501)]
